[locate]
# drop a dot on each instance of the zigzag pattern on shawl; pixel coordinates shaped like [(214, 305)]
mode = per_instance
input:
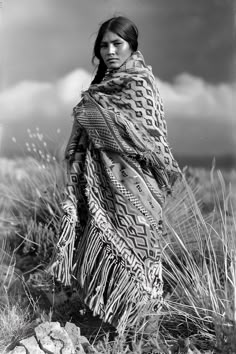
[(117, 254), (118, 276), (126, 108), (100, 125)]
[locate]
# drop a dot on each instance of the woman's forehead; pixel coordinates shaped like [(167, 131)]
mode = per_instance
[(110, 37)]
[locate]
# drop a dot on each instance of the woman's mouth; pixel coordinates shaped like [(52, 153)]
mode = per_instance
[(112, 59)]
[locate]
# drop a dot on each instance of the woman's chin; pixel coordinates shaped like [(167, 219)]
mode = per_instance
[(114, 65)]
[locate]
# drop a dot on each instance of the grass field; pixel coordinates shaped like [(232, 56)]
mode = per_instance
[(199, 258)]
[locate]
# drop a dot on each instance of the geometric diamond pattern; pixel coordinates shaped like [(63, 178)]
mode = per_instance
[(118, 175)]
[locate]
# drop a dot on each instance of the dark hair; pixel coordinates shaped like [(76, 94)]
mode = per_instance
[(121, 26)]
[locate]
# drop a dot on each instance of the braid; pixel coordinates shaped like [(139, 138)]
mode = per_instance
[(100, 73)]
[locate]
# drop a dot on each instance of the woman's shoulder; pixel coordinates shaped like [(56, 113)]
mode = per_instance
[(136, 62)]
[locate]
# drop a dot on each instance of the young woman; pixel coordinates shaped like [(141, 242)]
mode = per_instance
[(120, 169)]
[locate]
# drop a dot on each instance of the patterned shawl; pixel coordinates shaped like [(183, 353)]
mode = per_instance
[(120, 168)]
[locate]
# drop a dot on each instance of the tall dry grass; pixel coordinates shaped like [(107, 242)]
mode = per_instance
[(199, 249), (200, 263)]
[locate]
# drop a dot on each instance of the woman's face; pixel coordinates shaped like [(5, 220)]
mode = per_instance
[(114, 50)]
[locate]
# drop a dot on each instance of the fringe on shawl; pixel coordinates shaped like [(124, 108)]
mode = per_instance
[(62, 260), (108, 288)]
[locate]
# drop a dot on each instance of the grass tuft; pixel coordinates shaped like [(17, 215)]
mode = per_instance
[(199, 255)]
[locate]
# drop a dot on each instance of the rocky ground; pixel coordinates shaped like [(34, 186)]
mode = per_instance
[(52, 338), (62, 326)]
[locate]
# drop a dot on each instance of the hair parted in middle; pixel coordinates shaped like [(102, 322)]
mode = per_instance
[(125, 29)]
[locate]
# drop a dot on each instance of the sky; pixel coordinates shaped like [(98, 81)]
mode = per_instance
[(46, 51)]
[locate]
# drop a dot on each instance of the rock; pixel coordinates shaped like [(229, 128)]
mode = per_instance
[(54, 339), (73, 332), (83, 340), (43, 336), (62, 341), (51, 338), (31, 345), (79, 350), (18, 350)]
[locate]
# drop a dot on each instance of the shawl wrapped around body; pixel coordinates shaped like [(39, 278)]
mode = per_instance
[(120, 169)]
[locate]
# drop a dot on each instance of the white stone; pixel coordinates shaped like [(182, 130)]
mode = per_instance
[(79, 349), (18, 350), (60, 336), (43, 336), (51, 338), (73, 332), (31, 345)]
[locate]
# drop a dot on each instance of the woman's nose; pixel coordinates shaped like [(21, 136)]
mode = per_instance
[(111, 49)]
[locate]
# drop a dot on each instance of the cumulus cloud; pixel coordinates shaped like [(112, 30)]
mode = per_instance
[(25, 98), (193, 98), (49, 100), (70, 87), (187, 97), (190, 103)]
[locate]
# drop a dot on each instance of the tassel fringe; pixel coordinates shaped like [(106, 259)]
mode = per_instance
[(62, 260), (108, 288)]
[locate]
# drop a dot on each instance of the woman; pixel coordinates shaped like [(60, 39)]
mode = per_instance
[(120, 169)]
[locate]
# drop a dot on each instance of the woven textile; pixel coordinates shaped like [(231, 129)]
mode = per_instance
[(120, 168)]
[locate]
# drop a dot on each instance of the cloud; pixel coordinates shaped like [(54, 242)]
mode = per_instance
[(202, 110), (188, 97), (43, 40), (24, 99), (69, 88), (29, 98), (193, 98)]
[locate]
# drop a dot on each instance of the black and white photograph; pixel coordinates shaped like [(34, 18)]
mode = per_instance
[(118, 176)]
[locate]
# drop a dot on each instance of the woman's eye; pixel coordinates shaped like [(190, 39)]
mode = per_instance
[(105, 45)]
